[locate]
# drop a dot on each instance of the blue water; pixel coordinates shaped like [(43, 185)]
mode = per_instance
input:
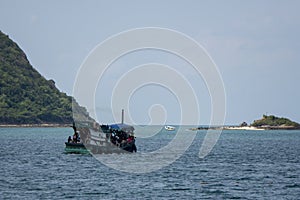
[(243, 165)]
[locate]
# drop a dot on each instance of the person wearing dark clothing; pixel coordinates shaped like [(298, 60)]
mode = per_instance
[(69, 139)]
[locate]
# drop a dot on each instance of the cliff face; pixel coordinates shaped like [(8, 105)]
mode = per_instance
[(26, 97)]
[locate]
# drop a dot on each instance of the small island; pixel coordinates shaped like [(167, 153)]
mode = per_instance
[(267, 122), (277, 123)]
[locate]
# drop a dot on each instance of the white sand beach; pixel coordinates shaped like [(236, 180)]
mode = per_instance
[(251, 128)]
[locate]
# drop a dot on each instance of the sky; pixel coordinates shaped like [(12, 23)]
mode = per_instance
[(254, 45)]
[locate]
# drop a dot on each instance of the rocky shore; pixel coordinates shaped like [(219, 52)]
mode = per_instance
[(33, 125)]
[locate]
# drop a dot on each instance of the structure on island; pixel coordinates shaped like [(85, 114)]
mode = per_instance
[(244, 124), (90, 137)]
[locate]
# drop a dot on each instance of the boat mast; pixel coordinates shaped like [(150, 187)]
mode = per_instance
[(122, 116)]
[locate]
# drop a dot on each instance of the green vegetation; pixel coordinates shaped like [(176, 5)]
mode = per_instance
[(26, 97), (274, 121)]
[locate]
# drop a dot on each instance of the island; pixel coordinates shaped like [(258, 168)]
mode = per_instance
[(267, 122), (273, 122), (26, 97)]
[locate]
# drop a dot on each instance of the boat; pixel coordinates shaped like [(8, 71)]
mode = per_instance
[(111, 139), (77, 148), (101, 139), (170, 128)]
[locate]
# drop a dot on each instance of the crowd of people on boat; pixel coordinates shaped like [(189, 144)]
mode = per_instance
[(121, 138), (117, 137), (76, 137), (82, 136)]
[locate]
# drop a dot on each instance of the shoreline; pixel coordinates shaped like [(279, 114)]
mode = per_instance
[(247, 128), (34, 125), (251, 128)]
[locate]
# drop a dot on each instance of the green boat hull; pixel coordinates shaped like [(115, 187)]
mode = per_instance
[(79, 148)]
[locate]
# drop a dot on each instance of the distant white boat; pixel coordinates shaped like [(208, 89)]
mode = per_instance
[(170, 128)]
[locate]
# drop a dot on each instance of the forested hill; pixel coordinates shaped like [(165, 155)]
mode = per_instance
[(273, 122), (26, 97)]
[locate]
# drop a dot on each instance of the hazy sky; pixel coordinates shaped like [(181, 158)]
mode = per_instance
[(255, 45)]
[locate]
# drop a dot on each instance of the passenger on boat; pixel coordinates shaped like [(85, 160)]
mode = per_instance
[(69, 139), (76, 137), (129, 139)]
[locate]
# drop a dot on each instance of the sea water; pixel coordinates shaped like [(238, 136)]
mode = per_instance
[(242, 165)]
